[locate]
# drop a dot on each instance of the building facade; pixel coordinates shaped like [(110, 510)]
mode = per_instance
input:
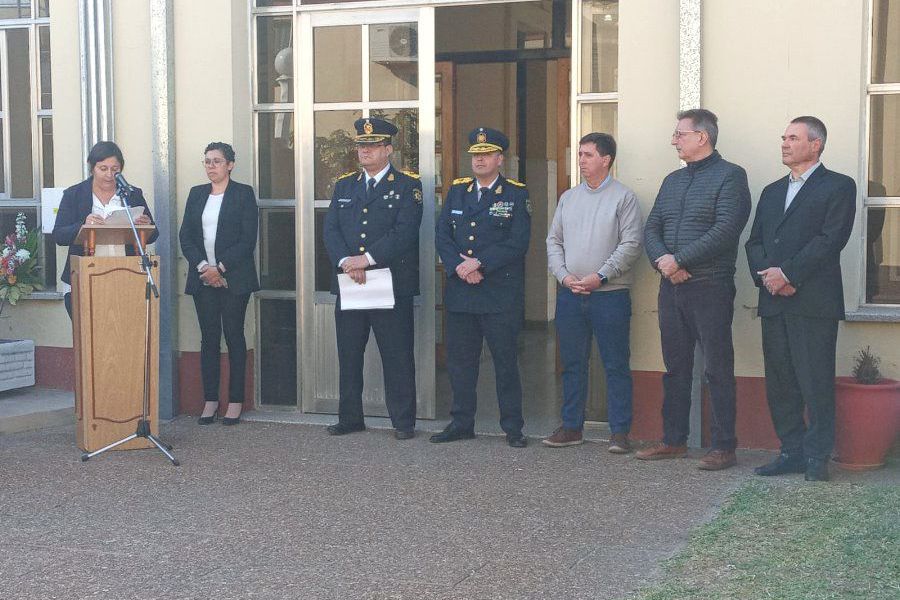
[(283, 81)]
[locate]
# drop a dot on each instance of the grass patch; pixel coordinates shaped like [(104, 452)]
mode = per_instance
[(792, 542)]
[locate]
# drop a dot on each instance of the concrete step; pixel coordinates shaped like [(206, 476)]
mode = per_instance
[(31, 408)]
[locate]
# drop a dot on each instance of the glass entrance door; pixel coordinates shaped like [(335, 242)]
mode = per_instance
[(360, 64)]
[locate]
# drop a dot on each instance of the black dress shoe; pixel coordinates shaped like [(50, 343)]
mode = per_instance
[(816, 469), (785, 463), (344, 428), (451, 433), (404, 434), (516, 440), (231, 420), (207, 420)]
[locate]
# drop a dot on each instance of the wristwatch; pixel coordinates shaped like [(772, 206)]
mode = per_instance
[(603, 278)]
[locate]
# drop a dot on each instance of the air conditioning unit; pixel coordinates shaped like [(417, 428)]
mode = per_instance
[(394, 43)]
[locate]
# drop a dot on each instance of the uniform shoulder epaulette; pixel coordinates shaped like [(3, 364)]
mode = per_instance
[(346, 175), (412, 174), (515, 183), (462, 180)]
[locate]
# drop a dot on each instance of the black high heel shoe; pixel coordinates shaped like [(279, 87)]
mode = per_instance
[(231, 420), (208, 420)]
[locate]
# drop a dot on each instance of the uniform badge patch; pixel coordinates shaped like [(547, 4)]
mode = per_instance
[(417, 196), (481, 137), (391, 177), (368, 128)]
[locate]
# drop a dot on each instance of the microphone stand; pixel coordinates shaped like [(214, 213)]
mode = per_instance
[(143, 426)]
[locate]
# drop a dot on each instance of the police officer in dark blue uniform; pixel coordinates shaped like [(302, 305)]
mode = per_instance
[(482, 235), (373, 223)]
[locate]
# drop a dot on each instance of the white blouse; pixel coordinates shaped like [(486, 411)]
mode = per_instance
[(104, 210), (210, 221)]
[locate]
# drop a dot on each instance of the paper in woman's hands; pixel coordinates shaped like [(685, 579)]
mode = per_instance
[(118, 218), (376, 292)]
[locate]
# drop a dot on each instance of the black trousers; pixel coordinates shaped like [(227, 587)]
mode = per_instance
[(394, 334), (701, 313), (219, 310), (465, 335), (799, 356)]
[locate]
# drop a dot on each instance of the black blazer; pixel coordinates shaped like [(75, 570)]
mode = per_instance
[(496, 230), (386, 226), (235, 237), (805, 241), (75, 206)]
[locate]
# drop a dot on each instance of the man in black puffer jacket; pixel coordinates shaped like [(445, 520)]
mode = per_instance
[(691, 237)]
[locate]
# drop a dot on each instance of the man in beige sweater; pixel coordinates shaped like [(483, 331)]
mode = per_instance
[(594, 241)]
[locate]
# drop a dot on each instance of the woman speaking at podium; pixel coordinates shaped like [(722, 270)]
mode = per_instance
[(90, 203), (218, 237)]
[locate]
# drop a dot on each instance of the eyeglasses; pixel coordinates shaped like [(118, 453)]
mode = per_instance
[(214, 162), (678, 133)]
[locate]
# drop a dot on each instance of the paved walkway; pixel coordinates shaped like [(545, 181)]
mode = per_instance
[(274, 511)]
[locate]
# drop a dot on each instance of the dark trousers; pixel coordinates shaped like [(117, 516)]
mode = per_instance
[(394, 334), (67, 301), (702, 313), (219, 310), (465, 335), (799, 356), (606, 316)]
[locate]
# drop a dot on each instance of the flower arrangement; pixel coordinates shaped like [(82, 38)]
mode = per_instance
[(19, 269)]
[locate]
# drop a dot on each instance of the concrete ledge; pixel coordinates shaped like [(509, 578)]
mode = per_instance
[(35, 408)]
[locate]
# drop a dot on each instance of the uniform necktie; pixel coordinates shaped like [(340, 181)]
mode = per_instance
[(481, 192), (370, 190)]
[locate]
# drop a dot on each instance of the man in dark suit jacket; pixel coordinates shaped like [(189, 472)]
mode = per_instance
[(482, 236), (373, 222), (802, 223)]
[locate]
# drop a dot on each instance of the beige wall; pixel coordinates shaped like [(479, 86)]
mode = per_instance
[(648, 100), (212, 104), (764, 62)]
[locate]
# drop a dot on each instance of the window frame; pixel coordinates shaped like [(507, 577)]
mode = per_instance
[(870, 90), (581, 99), (32, 25)]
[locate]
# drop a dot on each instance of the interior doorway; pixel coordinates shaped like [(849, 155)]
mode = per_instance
[(508, 67)]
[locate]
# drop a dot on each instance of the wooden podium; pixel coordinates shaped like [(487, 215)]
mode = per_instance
[(109, 334)]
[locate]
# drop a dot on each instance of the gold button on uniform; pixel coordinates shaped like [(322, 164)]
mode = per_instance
[(362, 248), (365, 222), (472, 223), (469, 253), (471, 237), (362, 235), (365, 210)]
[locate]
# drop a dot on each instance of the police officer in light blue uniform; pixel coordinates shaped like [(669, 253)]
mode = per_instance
[(482, 235), (373, 223)]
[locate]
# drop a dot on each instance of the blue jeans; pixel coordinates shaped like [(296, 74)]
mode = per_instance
[(606, 316)]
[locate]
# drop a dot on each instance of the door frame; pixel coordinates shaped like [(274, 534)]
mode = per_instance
[(308, 342)]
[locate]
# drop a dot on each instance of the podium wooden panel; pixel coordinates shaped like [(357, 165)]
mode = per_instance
[(109, 320)]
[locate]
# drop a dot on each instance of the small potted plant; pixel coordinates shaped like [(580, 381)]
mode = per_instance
[(19, 276), (867, 414)]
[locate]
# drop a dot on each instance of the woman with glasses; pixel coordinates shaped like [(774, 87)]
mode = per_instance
[(91, 202), (218, 237)]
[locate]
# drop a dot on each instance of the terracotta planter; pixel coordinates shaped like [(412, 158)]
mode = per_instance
[(867, 419)]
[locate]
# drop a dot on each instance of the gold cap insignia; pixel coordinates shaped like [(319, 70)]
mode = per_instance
[(481, 137), (367, 127)]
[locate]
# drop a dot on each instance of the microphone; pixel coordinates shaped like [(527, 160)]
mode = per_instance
[(123, 184)]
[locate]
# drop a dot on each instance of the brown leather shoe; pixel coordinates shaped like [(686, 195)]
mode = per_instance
[(564, 437), (716, 460), (660, 451), (619, 444)]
